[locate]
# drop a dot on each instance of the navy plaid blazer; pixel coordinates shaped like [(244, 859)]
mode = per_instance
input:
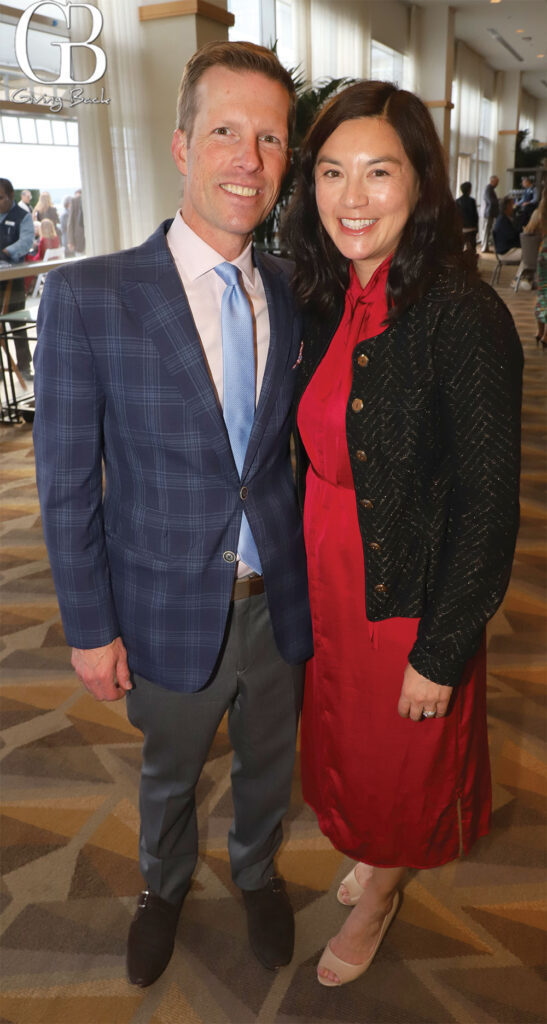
[(122, 388)]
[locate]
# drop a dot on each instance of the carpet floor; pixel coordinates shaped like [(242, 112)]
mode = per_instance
[(468, 945)]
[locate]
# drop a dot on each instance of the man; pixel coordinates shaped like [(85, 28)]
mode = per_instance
[(75, 233), (25, 201), (507, 239), (185, 587), (467, 208), (527, 202), (490, 210), (506, 235), (16, 238)]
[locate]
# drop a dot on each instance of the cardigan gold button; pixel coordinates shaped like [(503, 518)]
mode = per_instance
[(357, 404), (243, 493), (374, 546), (366, 503), (229, 556), (361, 455), (362, 360), (380, 588)]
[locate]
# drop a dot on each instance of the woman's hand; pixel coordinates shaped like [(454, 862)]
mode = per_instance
[(420, 695)]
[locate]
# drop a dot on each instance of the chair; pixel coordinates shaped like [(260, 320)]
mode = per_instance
[(529, 255), (503, 261), (50, 254)]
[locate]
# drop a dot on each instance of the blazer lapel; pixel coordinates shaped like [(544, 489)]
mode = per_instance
[(281, 315), (154, 293)]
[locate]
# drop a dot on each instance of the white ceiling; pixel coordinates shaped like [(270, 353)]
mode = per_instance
[(474, 18)]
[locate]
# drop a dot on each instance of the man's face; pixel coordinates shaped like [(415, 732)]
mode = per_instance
[(6, 202), (495, 181), (26, 195), (235, 158)]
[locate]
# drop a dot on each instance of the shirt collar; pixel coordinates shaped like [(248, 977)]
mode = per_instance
[(357, 293), (197, 258)]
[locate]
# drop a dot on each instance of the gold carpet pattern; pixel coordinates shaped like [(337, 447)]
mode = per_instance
[(467, 946)]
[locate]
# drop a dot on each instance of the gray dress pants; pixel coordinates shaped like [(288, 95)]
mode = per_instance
[(262, 695)]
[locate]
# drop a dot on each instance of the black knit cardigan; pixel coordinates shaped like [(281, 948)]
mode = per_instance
[(433, 430)]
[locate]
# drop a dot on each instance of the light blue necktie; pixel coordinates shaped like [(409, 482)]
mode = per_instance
[(238, 368)]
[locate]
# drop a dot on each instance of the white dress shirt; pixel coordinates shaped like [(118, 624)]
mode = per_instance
[(195, 261)]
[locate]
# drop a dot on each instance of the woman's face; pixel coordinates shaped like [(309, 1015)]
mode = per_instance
[(366, 189)]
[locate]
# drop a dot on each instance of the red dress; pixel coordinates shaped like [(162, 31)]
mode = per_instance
[(386, 790)]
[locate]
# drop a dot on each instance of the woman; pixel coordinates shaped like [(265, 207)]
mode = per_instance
[(408, 415), (45, 209), (49, 239)]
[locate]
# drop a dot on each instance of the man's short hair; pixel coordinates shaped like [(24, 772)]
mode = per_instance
[(7, 187), (237, 56)]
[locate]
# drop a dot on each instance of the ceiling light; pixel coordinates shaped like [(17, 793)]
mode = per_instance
[(495, 1), (520, 30), (540, 56)]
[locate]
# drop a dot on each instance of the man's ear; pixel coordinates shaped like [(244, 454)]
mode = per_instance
[(179, 150)]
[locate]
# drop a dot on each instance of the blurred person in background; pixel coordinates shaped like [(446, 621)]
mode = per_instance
[(67, 203), (467, 208), (75, 233), (45, 208), (25, 201), (490, 210), (16, 238)]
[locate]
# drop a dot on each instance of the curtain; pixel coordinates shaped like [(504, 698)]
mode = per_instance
[(467, 94), (115, 158), (527, 115), (332, 40)]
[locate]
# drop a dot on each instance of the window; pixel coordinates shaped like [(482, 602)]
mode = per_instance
[(247, 20), (285, 33), (38, 131), (386, 64)]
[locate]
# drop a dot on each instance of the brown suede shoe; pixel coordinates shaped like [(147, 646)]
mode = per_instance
[(270, 922), (151, 938)]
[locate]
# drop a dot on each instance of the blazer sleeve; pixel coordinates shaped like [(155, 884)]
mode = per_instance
[(479, 378), (68, 447)]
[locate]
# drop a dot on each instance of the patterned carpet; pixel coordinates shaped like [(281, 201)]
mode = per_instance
[(467, 946)]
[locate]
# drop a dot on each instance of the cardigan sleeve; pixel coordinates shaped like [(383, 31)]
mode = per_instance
[(478, 360)]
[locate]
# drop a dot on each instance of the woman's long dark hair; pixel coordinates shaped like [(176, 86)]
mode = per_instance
[(432, 236)]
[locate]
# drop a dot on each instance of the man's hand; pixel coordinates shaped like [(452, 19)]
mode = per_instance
[(103, 670), (419, 695)]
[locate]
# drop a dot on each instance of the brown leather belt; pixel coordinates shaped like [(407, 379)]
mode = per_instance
[(247, 587)]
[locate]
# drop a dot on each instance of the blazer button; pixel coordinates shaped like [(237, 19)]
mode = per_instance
[(380, 588), (374, 546), (361, 455), (357, 404), (229, 556), (362, 360), (243, 493), (366, 503)]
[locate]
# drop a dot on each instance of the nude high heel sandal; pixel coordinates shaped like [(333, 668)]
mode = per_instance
[(355, 890), (349, 972)]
